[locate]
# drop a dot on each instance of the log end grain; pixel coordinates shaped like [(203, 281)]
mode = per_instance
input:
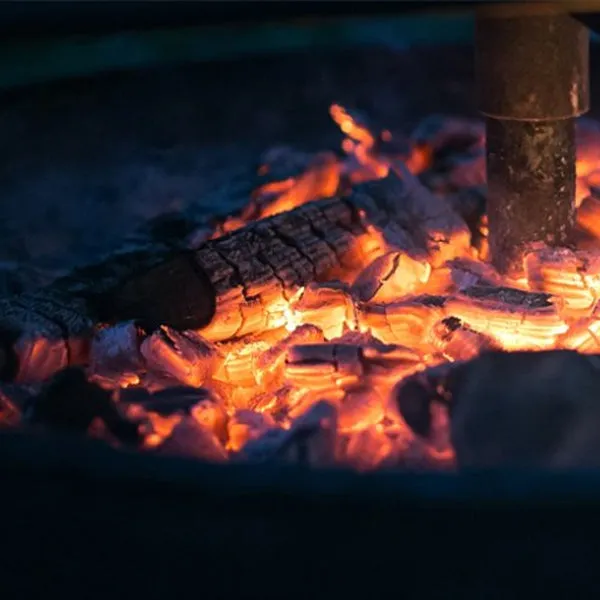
[(176, 293)]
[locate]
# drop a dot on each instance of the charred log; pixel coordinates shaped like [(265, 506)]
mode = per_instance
[(527, 410), (231, 286)]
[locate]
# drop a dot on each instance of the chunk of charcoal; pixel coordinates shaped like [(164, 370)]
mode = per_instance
[(132, 395), (390, 277), (172, 400), (458, 342), (20, 396), (415, 396), (210, 413), (247, 425), (191, 439), (70, 402), (311, 440), (116, 349), (184, 356), (527, 409)]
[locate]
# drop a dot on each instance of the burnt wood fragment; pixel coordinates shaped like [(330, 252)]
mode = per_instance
[(412, 218), (190, 438), (415, 395), (311, 440), (165, 402), (69, 402)]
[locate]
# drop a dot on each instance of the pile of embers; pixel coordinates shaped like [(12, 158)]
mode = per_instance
[(347, 316)]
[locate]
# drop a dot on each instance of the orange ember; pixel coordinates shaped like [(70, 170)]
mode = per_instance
[(309, 370)]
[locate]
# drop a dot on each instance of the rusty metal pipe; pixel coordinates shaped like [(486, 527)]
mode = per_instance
[(532, 71)]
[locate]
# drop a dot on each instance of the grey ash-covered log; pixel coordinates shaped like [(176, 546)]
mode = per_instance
[(511, 409)]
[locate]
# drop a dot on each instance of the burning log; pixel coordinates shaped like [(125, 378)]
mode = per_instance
[(254, 272)]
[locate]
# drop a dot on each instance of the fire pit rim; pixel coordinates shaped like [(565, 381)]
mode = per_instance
[(56, 457)]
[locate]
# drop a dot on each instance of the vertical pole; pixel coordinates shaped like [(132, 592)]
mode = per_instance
[(533, 78)]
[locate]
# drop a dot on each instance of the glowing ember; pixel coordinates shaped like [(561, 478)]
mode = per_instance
[(308, 342)]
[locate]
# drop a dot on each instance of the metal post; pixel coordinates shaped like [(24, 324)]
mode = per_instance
[(533, 76)]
